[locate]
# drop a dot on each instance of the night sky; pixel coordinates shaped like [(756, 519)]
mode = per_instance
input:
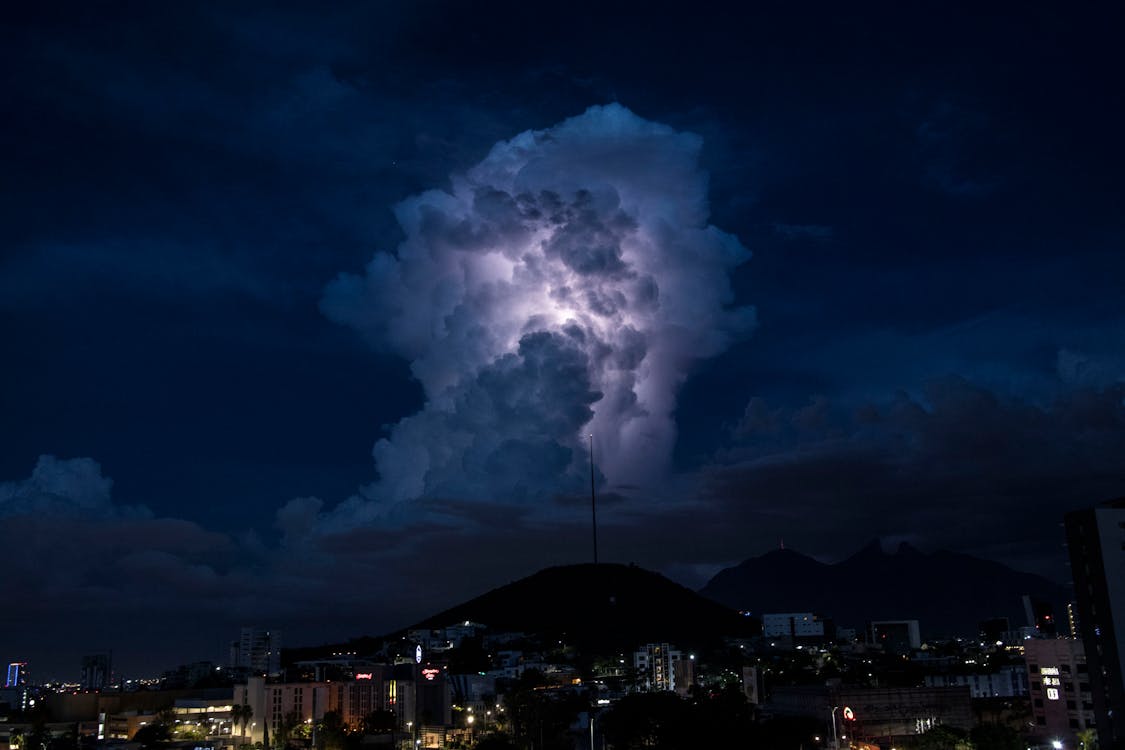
[(307, 311)]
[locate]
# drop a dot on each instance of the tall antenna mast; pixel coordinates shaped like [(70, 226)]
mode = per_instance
[(593, 500)]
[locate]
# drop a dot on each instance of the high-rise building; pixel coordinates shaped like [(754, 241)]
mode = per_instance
[(257, 650), (97, 671), (1096, 540), (661, 667), (17, 674), (1059, 687)]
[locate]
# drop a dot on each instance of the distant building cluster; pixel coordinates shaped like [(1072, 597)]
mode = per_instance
[(1053, 683)]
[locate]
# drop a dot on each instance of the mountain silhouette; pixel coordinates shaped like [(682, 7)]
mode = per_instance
[(602, 609), (948, 593), (603, 606)]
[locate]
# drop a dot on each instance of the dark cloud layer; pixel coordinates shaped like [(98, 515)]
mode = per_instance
[(957, 467)]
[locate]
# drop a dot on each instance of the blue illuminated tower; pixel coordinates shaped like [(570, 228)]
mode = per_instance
[(17, 674)]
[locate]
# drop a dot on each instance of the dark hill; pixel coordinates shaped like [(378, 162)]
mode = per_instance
[(602, 606), (948, 593)]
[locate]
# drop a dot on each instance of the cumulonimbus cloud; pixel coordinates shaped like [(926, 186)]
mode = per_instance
[(563, 286), (73, 487)]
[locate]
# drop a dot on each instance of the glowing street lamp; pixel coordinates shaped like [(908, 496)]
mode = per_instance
[(848, 715)]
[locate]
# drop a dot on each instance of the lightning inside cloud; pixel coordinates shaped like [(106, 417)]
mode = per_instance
[(565, 285)]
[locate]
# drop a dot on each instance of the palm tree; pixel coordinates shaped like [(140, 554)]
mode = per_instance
[(246, 714), (235, 716)]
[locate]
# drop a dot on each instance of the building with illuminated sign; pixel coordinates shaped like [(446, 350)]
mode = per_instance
[(271, 703), (1059, 686), (332, 669), (1095, 538)]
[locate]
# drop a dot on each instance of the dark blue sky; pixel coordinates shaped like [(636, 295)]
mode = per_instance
[(932, 196)]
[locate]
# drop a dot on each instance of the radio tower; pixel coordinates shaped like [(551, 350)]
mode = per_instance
[(593, 500)]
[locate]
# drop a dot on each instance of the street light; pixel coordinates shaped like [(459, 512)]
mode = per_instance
[(848, 715)]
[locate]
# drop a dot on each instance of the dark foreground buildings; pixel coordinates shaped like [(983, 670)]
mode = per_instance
[(1096, 540)]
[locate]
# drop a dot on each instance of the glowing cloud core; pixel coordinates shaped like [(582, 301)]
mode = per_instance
[(564, 285)]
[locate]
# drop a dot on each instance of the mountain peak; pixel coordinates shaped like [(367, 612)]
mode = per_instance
[(948, 593), (872, 550), (908, 549), (606, 604)]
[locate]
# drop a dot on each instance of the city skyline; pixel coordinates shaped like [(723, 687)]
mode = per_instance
[(309, 312)]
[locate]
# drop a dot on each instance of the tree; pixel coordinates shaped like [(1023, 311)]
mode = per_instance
[(379, 722), (152, 734), (995, 737), (721, 714), (1088, 739), (235, 716), (496, 741), (650, 720), (289, 723), (943, 738), (541, 717), (786, 732), (188, 731), (245, 714), (331, 733)]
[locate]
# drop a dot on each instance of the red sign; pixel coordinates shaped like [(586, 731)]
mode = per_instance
[(363, 676), (849, 715), (430, 673)]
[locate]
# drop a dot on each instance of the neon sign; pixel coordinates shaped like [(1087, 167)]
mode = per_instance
[(364, 676), (430, 673)]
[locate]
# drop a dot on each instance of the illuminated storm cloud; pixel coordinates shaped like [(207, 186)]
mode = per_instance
[(564, 286)]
